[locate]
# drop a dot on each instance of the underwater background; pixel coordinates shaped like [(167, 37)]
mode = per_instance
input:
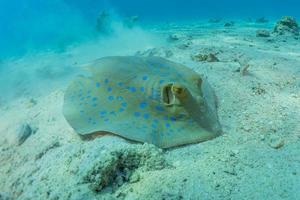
[(243, 54), (35, 24)]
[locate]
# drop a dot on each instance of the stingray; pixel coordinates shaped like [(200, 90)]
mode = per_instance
[(144, 99)]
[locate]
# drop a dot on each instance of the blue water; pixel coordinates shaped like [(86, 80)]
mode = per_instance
[(38, 24)]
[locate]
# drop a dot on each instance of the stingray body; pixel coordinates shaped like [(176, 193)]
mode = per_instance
[(145, 99)]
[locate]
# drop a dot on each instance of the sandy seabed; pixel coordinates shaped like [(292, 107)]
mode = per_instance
[(256, 80)]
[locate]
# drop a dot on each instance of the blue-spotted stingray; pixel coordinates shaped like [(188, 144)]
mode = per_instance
[(144, 99)]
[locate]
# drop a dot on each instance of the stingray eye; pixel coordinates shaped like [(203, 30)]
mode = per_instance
[(178, 90), (167, 95)]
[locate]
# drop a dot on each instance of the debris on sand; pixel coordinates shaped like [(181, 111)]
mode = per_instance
[(175, 37), (21, 134), (244, 69), (276, 142), (211, 57), (162, 52), (287, 26)]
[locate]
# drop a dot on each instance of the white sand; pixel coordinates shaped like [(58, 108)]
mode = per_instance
[(257, 157)]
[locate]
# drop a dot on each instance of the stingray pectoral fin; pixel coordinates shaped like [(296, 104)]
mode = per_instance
[(189, 136)]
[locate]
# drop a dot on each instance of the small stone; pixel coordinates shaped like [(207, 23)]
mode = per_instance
[(175, 37), (276, 143), (234, 152), (205, 57), (183, 46), (33, 101), (262, 33), (21, 134), (229, 24)]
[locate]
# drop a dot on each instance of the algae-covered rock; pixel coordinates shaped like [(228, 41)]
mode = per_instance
[(287, 26), (123, 166), (262, 33)]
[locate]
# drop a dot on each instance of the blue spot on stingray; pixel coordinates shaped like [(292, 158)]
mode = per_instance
[(154, 94), (121, 109), (142, 89), (120, 98), (161, 81), (94, 99), (112, 113), (137, 114), (106, 81), (88, 97), (145, 78), (110, 98), (167, 125), (165, 117), (109, 89), (143, 104), (124, 104), (106, 120), (120, 84), (131, 89), (102, 113), (172, 118), (146, 116), (190, 121), (159, 108), (97, 84)]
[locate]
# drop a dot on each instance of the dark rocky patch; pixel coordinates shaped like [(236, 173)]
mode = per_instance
[(287, 26)]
